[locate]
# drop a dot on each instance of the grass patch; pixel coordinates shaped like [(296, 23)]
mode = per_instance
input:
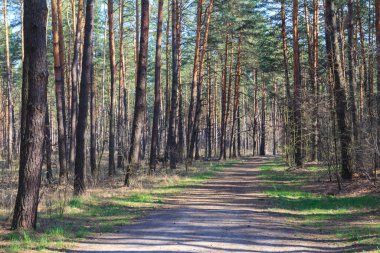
[(103, 212), (347, 218)]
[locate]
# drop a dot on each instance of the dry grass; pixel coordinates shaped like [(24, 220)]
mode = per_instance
[(105, 206)]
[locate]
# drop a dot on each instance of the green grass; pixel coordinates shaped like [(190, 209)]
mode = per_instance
[(86, 215), (338, 215)]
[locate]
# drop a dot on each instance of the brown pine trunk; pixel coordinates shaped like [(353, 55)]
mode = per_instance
[(48, 150), (194, 82), (171, 142), (263, 113), (315, 87), (222, 154), (377, 11), (236, 100), (111, 44), (351, 68), (122, 92), (255, 107), (339, 93), (140, 105), (86, 78), (8, 74), (197, 114), (167, 86), (297, 89), (75, 70), (93, 116), (154, 150), (181, 140), (34, 86), (59, 93)]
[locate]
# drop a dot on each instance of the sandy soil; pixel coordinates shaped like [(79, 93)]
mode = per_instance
[(226, 214)]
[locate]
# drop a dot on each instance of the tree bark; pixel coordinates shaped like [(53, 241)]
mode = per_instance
[(154, 150), (198, 108), (171, 142), (339, 93), (194, 82), (8, 74), (140, 102), (75, 70), (297, 89), (59, 93), (377, 11), (35, 79), (85, 84), (111, 44)]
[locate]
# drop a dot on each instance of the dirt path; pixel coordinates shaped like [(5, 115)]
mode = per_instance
[(225, 214)]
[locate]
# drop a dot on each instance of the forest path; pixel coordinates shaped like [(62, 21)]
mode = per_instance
[(228, 213)]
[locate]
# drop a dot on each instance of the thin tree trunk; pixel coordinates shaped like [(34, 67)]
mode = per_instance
[(198, 108), (154, 150), (263, 113), (172, 145), (93, 116), (8, 73), (223, 102), (59, 93), (75, 81), (111, 140), (297, 89), (48, 150), (194, 82), (87, 64), (122, 92), (377, 10)]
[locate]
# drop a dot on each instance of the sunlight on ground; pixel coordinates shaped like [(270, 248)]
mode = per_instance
[(351, 218), (105, 210)]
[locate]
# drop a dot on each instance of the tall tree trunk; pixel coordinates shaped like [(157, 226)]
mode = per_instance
[(198, 108), (154, 150), (263, 113), (35, 80), (297, 89), (339, 93), (121, 122), (315, 86), (181, 140), (351, 68), (223, 103), (87, 64), (93, 116), (8, 73), (236, 98), (111, 44), (167, 88), (171, 143), (377, 10), (194, 82), (140, 102), (59, 93), (75, 69)]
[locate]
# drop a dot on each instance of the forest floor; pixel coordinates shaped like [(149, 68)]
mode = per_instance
[(249, 205), (256, 205)]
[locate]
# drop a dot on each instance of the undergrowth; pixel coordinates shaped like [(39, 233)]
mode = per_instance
[(96, 213), (345, 217)]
